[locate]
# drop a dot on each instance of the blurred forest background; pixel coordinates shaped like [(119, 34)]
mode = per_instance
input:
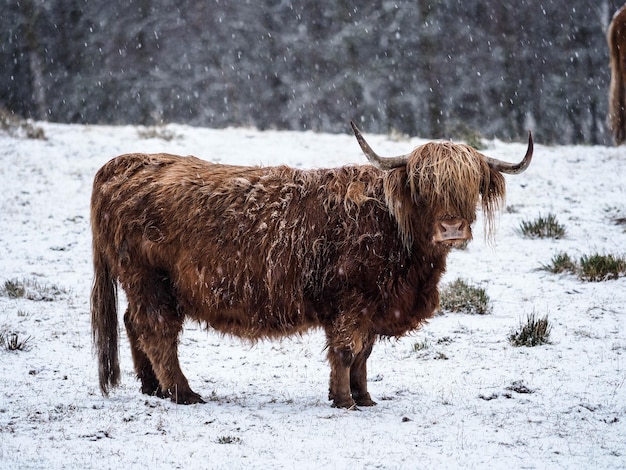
[(435, 69)]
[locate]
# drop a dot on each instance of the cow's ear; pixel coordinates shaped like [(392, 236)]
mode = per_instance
[(493, 192), (494, 186)]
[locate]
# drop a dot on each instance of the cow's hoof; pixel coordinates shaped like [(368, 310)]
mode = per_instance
[(150, 386), (348, 404), (154, 392), (186, 398), (193, 400), (365, 401)]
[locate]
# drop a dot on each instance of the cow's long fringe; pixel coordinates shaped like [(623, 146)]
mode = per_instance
[(104, 326)]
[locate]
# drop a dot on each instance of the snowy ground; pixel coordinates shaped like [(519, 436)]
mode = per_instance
[(457, 403)]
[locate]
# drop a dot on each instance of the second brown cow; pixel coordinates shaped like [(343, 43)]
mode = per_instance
[(265, 252), (616, 38)]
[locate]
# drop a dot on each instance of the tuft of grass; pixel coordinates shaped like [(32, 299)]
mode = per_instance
[(616, 215), (15, 126), (425, 349), (459, 296), (474, 139), (396, 135), (596, 268), (228, 440), (31, 290), (13, 342), (560, 263), (542, 227), (518, 386), (14, 289), (590, 268), (534, 332), (157, 132), (469, 135), (421, 345)]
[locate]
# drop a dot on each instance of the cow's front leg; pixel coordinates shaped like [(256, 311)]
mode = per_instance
[(340, 360), (345, 342), (358, 375)]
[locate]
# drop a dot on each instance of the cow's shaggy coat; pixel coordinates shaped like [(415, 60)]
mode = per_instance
[(260, 252)]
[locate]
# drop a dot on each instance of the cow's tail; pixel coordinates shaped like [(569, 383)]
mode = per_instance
[(104, 326)]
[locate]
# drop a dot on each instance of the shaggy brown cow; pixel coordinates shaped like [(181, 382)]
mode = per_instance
[(616, 37), (268, 252)]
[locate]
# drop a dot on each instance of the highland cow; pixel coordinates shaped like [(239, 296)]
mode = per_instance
[(266, 252)]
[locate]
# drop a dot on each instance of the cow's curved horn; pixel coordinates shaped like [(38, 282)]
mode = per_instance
[(382, 163), (514, 168)]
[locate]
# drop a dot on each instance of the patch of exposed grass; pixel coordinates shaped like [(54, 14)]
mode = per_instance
[(560, 263), (459, 296), (157, 132), (590, 268), (228, 440), (15, 126), (616, 214), (542, 227), (14, 289), (534, 332), (596, 268), (425, 349), (11, 341), (518, 386), (31, 289), (421, 345), (396, 135), (470, 136)]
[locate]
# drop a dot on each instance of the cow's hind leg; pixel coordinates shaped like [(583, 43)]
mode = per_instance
[(358, 375), (149, 382), (160, 344), (154, 323)]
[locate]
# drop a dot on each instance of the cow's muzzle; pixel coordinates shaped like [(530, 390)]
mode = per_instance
[(452, 231)]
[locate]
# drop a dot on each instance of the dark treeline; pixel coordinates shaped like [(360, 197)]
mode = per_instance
[(427, 68)]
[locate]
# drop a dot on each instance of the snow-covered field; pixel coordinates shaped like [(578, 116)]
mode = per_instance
[(458, 402)]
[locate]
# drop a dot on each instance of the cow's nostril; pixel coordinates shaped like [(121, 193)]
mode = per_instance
[(455, 225)]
